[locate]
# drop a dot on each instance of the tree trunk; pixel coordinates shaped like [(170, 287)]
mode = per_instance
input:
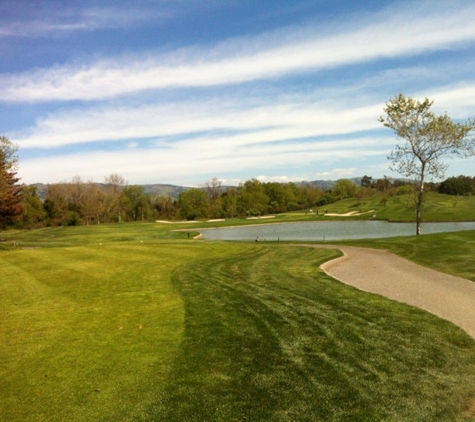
[(420, 200)]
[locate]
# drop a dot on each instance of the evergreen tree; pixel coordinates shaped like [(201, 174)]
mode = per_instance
[(10, 191)]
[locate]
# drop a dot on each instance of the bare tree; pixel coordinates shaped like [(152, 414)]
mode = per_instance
[(115, 185), (213, 188)]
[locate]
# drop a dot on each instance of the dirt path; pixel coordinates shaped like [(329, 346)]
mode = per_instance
[(381, 272)]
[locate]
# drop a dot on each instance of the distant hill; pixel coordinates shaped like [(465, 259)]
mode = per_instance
[(41, 189), (175, 190), (164, 190), (328, 184), (152, 189)]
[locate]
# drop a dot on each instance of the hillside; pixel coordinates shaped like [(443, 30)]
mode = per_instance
[(151, 189)]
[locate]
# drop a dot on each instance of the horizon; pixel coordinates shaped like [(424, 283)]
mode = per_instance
[(191, 91), (203, 185)]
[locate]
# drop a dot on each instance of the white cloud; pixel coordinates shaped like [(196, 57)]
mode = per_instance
[(237, 121), (458, 100), (282, 132), (198, 160), (339, 173), (56, 19), (392, 34)]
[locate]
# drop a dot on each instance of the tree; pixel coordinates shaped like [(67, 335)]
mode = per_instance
[(382, 185), (33, 214), (309, 195), (93, 205), (214, 190), (252, 199), (229, 200), (115, 184), (366, 181), (193, 203), (456, 186), (426, 139), (11, 195), (344, 188), (56, 204), (164, 205), (136, 202)]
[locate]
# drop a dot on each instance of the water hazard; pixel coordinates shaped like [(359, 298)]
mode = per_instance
[(329, 230)]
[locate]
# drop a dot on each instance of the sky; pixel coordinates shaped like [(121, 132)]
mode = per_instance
[(184, 91)]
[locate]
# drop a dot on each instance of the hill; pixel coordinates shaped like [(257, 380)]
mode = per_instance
[(174, 191), (150, 189)]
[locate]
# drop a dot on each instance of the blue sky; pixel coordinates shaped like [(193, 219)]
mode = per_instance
[(183, 91)]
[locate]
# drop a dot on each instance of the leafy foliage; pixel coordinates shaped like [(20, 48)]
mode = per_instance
[(461, 185), (426, 140)]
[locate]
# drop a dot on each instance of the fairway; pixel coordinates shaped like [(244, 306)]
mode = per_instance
[(128, 324)]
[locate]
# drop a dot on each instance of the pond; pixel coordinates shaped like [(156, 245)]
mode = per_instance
[(329, 230)]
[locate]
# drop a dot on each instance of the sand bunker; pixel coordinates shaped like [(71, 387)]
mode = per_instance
[(348, 214)]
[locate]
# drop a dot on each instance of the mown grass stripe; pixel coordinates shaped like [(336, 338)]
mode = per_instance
[(164, 329), (254, 350)]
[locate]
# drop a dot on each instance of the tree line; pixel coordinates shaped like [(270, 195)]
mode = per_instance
[(86, 202), (80, 202)]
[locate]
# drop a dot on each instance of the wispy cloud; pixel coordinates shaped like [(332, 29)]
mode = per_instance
[(458, 100), (31, 19), (241, 60), (306, 107), (203, 160), (239, 121), (338, 173)]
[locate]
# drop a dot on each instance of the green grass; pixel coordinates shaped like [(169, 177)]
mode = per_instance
[(80, 327), (52, 237), (437, 207), (289, 343), (134, 323)]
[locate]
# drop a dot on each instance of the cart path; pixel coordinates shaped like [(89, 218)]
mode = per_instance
[(381, 272)]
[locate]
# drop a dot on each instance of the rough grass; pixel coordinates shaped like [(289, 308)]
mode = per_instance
[(128, 324)]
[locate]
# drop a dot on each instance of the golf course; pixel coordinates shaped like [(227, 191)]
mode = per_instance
[(137, 322), (237, 211)]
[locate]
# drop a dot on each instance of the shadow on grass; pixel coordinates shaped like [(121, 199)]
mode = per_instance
[(268, 337)]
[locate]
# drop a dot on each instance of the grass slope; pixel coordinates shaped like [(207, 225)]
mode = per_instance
[(437, 207), (126, 323)]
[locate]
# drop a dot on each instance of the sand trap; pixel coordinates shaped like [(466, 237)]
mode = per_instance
[(348, 214), (175, 222)]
